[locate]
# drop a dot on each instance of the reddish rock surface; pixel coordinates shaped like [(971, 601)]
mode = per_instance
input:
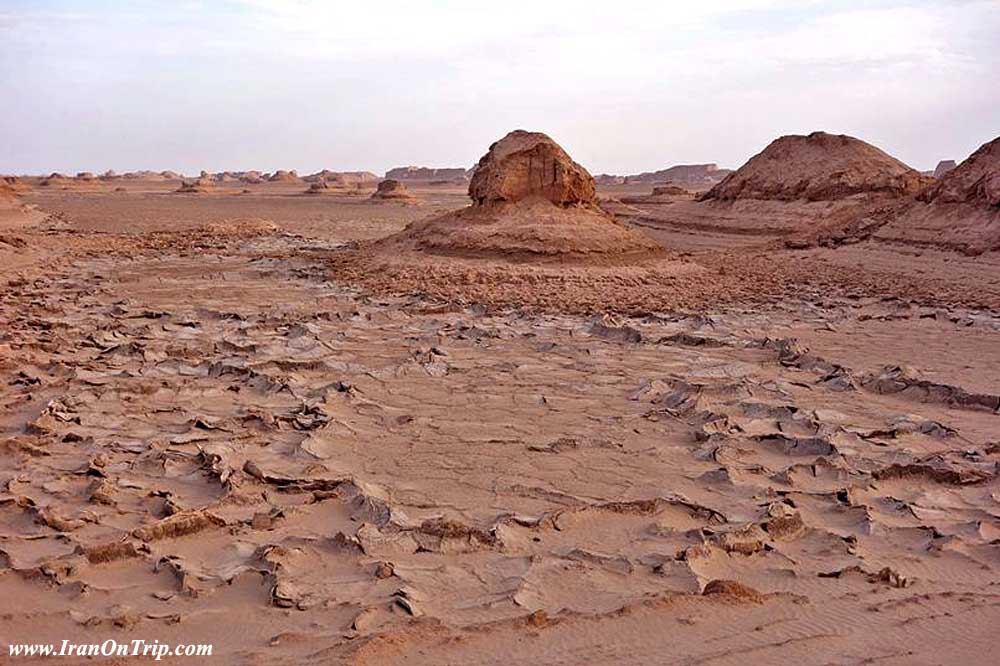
[(529, 164), (818, 167), (976, 180)]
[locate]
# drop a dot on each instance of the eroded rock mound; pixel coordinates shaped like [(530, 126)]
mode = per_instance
[(529, 164), (960, 211), (282, 176), (818, 167), (392, 190), (200, 186), (698, 176), (531, 202), (427, 173), (974, 181)]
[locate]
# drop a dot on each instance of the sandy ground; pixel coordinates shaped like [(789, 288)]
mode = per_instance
[(215, 432)]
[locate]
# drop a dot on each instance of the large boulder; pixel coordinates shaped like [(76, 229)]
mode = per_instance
[(523, 165)]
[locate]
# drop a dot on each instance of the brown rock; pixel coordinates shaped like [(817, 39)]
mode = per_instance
[(529, 164), (203, 184), (976, 180), (531, 202), (943, 167), (733, 589), (818, 167), (392, 189)]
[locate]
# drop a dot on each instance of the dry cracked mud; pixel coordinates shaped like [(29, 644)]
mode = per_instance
[(203, 428)]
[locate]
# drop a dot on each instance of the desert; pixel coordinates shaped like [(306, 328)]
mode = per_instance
[(534, 398), (433, 433)]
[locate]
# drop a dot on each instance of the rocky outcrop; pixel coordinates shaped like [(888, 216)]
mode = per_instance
[(392, 190), (943, 167), (282, 176), (959, 211), (818, 167), (531, 203), (974, 181), (201, 185), (427, 173), (692, 175), (529, 164)]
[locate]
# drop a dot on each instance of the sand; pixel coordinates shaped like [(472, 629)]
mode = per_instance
[(219, 427)]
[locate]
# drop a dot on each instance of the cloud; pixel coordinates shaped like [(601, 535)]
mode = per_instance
[(626, 86)]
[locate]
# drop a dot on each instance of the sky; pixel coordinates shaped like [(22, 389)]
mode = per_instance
[(624, 87)]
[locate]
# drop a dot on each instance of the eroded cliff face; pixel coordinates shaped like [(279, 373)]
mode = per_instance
[(529, 164)]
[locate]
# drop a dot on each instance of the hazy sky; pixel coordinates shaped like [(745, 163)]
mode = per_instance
[(623, 86)]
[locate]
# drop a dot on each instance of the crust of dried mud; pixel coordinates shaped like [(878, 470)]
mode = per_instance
[(219, 426)]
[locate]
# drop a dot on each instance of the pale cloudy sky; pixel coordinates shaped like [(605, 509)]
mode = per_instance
[(624, 86)]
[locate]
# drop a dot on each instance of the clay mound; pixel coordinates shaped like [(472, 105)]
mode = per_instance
[(961, 211), (56, 179), (943, 167), (392, 190), (203, 185), (974, 181), (531, 230), (282, 176), (524, 164), (327, 186), (531, 202), (818, 167)]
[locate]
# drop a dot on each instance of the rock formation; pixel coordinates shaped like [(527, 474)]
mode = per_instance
[(974, 181), (529, 164), (55, 179), (282, 176), (943, 167), (531, 202), (345, 178), (392, 190), (959, 211), (200, 186), (334, 184), (660, 194), (692, 175), (818, 167), (427, 173)]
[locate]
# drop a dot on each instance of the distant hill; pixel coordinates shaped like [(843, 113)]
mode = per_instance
[(427, 173)]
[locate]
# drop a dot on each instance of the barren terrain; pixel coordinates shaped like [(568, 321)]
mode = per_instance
[(215, 414)]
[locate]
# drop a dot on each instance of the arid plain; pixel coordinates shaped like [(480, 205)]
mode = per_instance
[(510, 416)]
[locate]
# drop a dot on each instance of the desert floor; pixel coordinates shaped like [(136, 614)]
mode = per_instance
[(209, 436)]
